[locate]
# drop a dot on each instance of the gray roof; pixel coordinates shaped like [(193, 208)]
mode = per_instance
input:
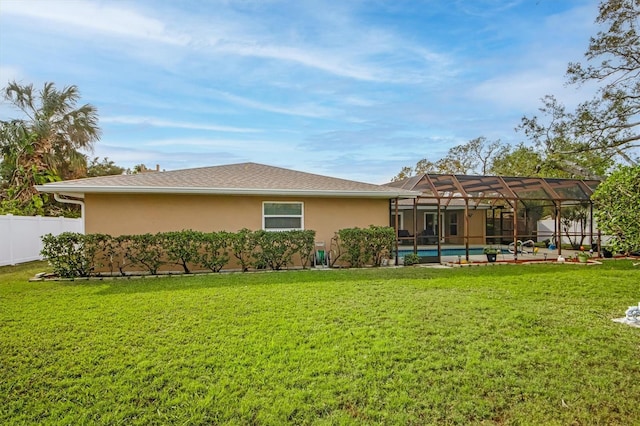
[(238, 179)]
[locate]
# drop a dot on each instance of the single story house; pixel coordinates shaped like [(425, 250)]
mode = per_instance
[(227, 198), (428, 211)]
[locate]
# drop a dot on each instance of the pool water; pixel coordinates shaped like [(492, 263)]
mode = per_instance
[(443, 252)]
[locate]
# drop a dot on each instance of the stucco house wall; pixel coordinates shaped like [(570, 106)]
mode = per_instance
[(120, 214)]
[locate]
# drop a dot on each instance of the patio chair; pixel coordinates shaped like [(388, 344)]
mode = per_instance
[(427, 237), (404, 236)]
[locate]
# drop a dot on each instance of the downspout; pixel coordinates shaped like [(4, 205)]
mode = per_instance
[(58, 198)]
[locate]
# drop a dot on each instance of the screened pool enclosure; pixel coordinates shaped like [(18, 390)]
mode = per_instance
[(465, 213)]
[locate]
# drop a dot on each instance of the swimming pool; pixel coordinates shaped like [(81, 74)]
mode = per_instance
[(443, 252)]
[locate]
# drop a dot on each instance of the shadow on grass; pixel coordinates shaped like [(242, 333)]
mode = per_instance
[(400, 276)]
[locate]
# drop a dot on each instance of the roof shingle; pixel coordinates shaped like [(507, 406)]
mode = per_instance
[(242, 178)]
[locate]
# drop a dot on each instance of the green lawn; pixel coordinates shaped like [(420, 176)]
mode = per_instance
[(493, 345)]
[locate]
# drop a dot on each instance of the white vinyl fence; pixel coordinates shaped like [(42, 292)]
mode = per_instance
[(20, 236), (546, 230)]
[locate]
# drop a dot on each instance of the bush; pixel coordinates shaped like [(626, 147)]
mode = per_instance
[(352, 248), (359, 246), (617, 202), (243, 247), (411, 259), (78, 255), (213, 250), (182, 247), (146, 250), (68, 255), (304, 244), (379, 242), (276, 249)]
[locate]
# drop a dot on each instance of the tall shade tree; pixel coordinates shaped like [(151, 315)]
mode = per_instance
[(617, 200), (608, 126), (46, 143), (475, 156)]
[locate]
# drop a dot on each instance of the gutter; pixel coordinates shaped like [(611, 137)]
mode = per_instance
[(221, 191), (57, 197)]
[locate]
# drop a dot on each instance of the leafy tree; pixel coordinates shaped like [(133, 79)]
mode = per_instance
[(472, 157), (105, 167), (608, 126), (475, 156), (422, 167), (617, 202), (45, 144), (562, 149), (519, 161)]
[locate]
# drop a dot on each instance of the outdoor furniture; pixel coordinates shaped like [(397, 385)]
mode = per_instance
[(405, 237), (427, 236)]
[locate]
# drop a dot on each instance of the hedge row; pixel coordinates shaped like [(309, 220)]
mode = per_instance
[(78, 255)]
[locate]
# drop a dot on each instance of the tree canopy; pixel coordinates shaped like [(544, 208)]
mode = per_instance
[(618, 208), (606, 127), (45, 144)]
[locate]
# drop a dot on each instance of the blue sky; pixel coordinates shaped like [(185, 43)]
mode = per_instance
[(351, 89)]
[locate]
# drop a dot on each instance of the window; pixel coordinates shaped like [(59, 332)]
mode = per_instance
[(453, 224), (430, 223), (400, 220), (282, 216)]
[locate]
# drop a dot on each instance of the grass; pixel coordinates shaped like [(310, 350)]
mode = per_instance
[(488, 345)]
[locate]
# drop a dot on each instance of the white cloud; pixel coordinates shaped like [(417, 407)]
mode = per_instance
[(156, 122), (239, 145), (9, 73), (304, 110), (104, 18)]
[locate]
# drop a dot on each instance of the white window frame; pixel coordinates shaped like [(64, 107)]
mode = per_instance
[(435, 221), (453, 221), (400, 219), (301, 216)]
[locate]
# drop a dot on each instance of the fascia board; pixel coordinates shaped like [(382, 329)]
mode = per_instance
[(221, 191)]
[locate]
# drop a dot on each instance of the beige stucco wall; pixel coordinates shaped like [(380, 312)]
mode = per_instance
[(137, 214)]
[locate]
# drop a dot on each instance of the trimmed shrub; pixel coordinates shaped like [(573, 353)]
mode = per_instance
[(243, 246), (379, 242), (182, 247), (67, 255), (304, 243), (213, 250), (144, 250), (78, 255), (359, 246), (276, 249)]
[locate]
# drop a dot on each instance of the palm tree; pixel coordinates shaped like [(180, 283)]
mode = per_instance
[(45, 145)]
